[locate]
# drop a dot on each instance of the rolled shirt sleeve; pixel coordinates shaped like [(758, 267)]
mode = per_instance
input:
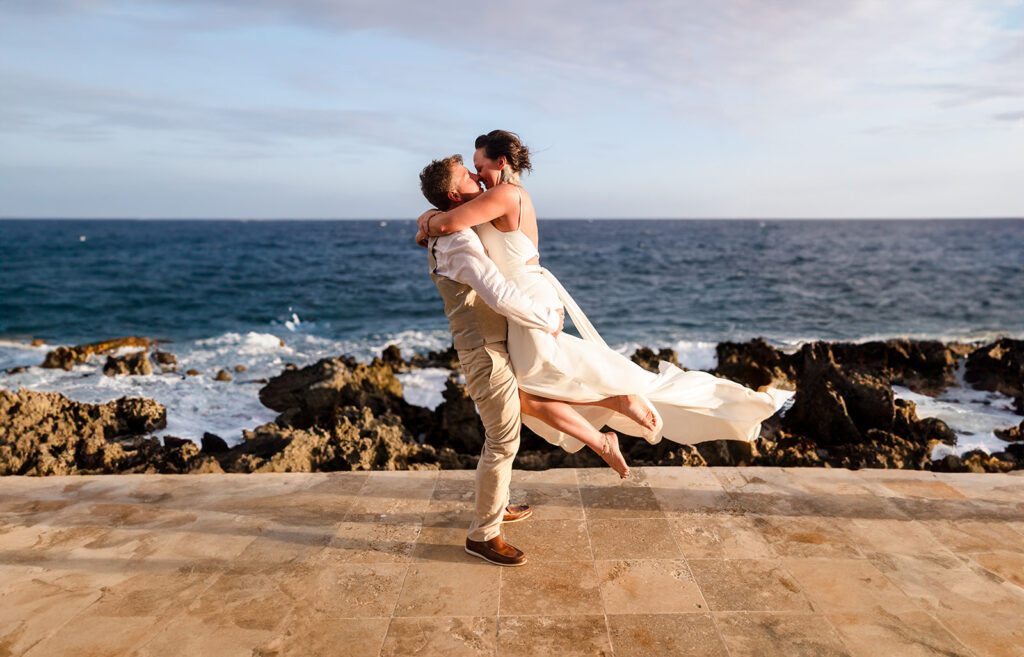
[(461, 257)]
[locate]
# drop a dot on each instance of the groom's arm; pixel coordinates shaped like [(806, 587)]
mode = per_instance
[(461, 257)]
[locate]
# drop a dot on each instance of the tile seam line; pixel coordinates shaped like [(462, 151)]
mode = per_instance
[(405, 578), (918, 606), (707, 607)]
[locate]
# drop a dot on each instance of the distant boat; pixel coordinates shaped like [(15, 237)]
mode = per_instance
[(383, 223), (81, 238)]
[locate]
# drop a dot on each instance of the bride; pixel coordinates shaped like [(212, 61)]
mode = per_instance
[(572, 387)]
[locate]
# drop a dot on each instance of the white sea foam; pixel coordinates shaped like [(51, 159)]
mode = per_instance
[(424, 387)]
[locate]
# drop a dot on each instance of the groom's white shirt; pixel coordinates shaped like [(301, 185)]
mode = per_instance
[(461, 257)]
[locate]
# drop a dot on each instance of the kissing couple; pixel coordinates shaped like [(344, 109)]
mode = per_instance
[(506, 315)]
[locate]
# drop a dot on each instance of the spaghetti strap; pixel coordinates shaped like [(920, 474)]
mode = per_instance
[(520, 192)]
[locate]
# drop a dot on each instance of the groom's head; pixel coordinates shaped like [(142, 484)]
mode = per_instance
[(447, 183)]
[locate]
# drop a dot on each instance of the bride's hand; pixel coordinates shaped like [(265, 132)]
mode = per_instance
[(561, 322), (423, 222)]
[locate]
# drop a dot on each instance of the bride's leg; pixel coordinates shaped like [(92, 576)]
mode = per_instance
[(566, 419), (629, 405)]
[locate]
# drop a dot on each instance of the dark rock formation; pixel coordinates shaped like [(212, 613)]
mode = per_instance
[(646, 358), (392, 356), (354, 439), (1011, 434), (222, 375), (214, 444), (135, 363), (167, 361), (999, 367), (68, 357), (754, 364), (459, 426), (45, 433), (447, 359)]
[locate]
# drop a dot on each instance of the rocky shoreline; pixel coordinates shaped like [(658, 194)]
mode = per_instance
[(340, 414)]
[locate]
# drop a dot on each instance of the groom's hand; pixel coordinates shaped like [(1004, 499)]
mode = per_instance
[(421, 239), (561, 322)]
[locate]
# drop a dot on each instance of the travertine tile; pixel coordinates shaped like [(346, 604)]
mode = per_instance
[(549, 540), (450, 637), (648, 586), (988, 632), (747, 585), (679, 635), (933, 490), (938, 583), (1008, 565), (550, 501), (35, 603), (371, 543), (350, 590), (620, 502), (847, 585), (446, 544), (544, 636), (202, 636), (314, 634), (636, 538), (768, 634), (720, 536), (967, 536), (557, 588), (895, 537), (444, 589), (908, 634), (808, 536)]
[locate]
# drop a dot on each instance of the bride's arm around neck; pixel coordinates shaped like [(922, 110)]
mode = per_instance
[(499, 202)]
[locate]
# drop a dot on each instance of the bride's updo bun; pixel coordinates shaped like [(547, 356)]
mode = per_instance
[(498, 143)]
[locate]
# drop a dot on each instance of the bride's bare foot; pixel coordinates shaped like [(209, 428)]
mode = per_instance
[(635, 409), (612, 456)]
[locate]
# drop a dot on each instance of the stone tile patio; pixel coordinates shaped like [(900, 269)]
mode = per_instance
[(676, 561)]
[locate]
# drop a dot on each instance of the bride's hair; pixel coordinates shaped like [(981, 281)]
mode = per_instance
[(497, 143)]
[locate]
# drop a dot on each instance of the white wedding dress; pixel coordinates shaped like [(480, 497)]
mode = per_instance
[(695, 406)]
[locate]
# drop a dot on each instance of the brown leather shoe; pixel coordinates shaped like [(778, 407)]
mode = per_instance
[(516, 512), (496, 551)]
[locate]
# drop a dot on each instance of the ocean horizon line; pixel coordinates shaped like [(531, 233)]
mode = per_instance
[(584, 219)]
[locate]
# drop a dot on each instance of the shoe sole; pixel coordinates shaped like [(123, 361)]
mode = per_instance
[(520, 519), (496, 563)]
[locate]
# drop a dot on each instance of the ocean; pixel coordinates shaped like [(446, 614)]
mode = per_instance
[(265, 293)]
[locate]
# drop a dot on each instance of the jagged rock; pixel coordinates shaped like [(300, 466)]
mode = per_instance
[(37, 342), (45, 433), (999, 367), (949, 463), (837, 407), (754, 364), (978, 461), (222, 375), (241, 368), (1011, 434), (167, 361), (16, 370), (355, 440), (392, 356), (646, 358), (214, 444), (315, 391), (727, 452), (192, 372), (174, 441), (447, 359), (924, 366), (68, 357), (459, 425), (136, 364)]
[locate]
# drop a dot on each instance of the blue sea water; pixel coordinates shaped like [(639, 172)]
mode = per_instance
[(260, 294), (653, 282)]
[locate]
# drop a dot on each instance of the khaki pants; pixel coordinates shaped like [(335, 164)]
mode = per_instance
[(492, 386)]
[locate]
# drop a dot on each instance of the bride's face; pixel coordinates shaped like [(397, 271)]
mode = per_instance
[(464, 182), (489, 170)]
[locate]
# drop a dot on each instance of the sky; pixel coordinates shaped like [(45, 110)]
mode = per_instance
[(266, 109)]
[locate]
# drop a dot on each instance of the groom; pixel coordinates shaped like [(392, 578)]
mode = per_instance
[(477, 300)]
